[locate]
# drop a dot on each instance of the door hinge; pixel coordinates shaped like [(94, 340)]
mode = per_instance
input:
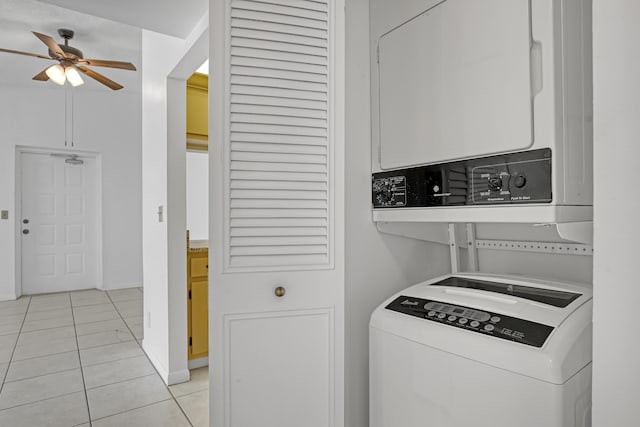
[(190, 341), (189, 293)]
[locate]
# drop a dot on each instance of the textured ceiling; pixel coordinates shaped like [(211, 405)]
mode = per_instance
[(172, 17)]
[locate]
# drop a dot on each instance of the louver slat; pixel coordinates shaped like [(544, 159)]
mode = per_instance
[(278, 184), (292, 30), (283, 167), (278, 139), (279, 37), (254, 15), (251, 223), (253, 147), (282, 9)]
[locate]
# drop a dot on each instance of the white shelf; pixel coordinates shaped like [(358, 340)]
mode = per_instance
[(544, 214)]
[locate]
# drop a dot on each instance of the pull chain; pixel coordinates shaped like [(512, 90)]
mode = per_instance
[(73, 106), (66, 109)]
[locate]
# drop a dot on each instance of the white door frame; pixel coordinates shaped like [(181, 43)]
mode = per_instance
[(177, 207), (20, 150)]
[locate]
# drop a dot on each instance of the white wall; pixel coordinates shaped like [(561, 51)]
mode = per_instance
[(377, 265), (160, 54), (163, 184), (616, 372), (198, 195), (105, 122), (572, 268)]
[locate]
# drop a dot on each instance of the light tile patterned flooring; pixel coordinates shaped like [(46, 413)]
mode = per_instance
[(74, 359)]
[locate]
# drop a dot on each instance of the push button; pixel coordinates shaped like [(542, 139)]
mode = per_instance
[(431, 313), (442, 316), (463, 321), (495, 319), (489, 328), (475, 324), (520, 181), (452, 318)]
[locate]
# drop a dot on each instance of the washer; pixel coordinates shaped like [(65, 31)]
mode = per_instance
[(482, 350)]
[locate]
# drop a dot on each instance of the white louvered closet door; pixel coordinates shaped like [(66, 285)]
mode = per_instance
[(277, 178)]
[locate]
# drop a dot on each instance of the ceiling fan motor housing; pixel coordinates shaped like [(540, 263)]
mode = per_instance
[(69, 50), (67, 35)]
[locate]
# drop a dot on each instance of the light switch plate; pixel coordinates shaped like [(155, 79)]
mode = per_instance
[(4, 214)]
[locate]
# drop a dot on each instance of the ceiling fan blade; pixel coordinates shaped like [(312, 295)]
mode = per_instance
[(111, 64), (51, 44), (99, 77), (25, 53), (42, 76)]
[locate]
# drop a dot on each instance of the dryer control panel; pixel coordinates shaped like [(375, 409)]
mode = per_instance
[(515, 178), (480, 321)]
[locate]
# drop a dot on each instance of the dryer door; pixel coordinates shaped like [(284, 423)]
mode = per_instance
[(455, 82)]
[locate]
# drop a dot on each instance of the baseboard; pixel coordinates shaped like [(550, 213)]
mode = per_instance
[(114, 286), (162, 370), (169, 378), (8, 297), (198, 363), (179, 377)]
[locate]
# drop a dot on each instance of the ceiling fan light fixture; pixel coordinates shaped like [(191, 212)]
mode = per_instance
[(56, 74), (73, 76), (71, 62)]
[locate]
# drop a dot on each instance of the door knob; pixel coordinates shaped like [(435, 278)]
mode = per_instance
[(280, 291), (25, 231)]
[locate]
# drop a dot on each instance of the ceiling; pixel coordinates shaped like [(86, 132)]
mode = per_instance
[(101, 32), (173, 17)]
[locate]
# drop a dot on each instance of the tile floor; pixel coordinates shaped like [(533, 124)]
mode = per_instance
[(74, 359)]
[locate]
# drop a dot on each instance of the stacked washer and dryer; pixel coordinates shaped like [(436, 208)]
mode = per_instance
[(482, 114)]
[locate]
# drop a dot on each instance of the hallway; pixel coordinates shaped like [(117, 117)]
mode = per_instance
[(74, 359)]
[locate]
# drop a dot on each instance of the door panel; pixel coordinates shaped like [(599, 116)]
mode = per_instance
[(289, 350), (59, 241), (276, 233)]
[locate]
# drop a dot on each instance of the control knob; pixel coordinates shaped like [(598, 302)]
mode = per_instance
[(495, 183), (384, 193)]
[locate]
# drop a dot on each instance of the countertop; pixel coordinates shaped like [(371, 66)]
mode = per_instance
[(198, 246)]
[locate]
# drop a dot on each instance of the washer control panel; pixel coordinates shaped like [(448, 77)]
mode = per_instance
[(484, 322), (515, 178)]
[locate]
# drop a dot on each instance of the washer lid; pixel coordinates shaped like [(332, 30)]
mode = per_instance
[(554, 297), (506, 327)]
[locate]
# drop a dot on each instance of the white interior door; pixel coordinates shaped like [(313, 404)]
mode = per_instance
[(59, 223), (276, 247)]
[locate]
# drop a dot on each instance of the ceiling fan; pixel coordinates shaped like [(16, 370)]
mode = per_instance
[(70, 61)]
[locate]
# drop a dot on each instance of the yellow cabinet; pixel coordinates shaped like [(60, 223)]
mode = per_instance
[(198, 303), (197, 111)]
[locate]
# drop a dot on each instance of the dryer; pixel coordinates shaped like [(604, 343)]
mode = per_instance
[(482, 350), (482, 111)]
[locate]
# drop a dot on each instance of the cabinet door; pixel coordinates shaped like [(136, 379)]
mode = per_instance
[(199, 266), (197, 107), (199, 319)]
